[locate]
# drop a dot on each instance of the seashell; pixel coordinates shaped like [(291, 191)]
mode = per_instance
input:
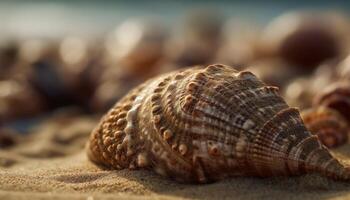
[(204, 24), (8, 57), (239, 41), (8, 138), (199, 41), (274, 72), (330, 127), (337, 97), (111, 90), (46, 79), (343, 69), (301, 91), (19, 100), (324, 75), (137, 45), (296, 94), (206, 124), (305, 39)]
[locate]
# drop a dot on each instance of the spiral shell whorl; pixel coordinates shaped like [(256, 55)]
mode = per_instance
[(200, 125), (330, 127)]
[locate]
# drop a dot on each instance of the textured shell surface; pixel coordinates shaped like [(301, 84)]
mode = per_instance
[(337, 97), (205, 124), (330, 127)]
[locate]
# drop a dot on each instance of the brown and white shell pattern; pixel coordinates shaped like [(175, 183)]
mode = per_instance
[(337, 97), (205, 124), (330, 127)]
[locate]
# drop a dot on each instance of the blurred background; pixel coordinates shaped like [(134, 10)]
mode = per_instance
[(54, 18), (61, 61)]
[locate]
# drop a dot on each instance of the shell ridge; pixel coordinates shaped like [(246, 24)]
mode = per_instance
[(206, 124)]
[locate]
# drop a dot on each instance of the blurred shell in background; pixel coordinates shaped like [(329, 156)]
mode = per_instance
[(18, 100), (343, 69), (337, 97), (298, 94), (63, 72), (306, 39), (49, 76), (137, 45), (274, 71), (8, 57), (324, 75), (81, 67), (8, 138), (199, 39), (134, 53), (111, 89), (330, 127), (301, 90), (239, 43)]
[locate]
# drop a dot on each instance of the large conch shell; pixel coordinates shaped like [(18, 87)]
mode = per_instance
[(202, 125)]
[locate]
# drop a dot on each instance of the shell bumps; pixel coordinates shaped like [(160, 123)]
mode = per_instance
[(205, 124)]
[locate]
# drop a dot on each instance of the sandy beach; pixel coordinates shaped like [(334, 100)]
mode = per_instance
[(52, 163)]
